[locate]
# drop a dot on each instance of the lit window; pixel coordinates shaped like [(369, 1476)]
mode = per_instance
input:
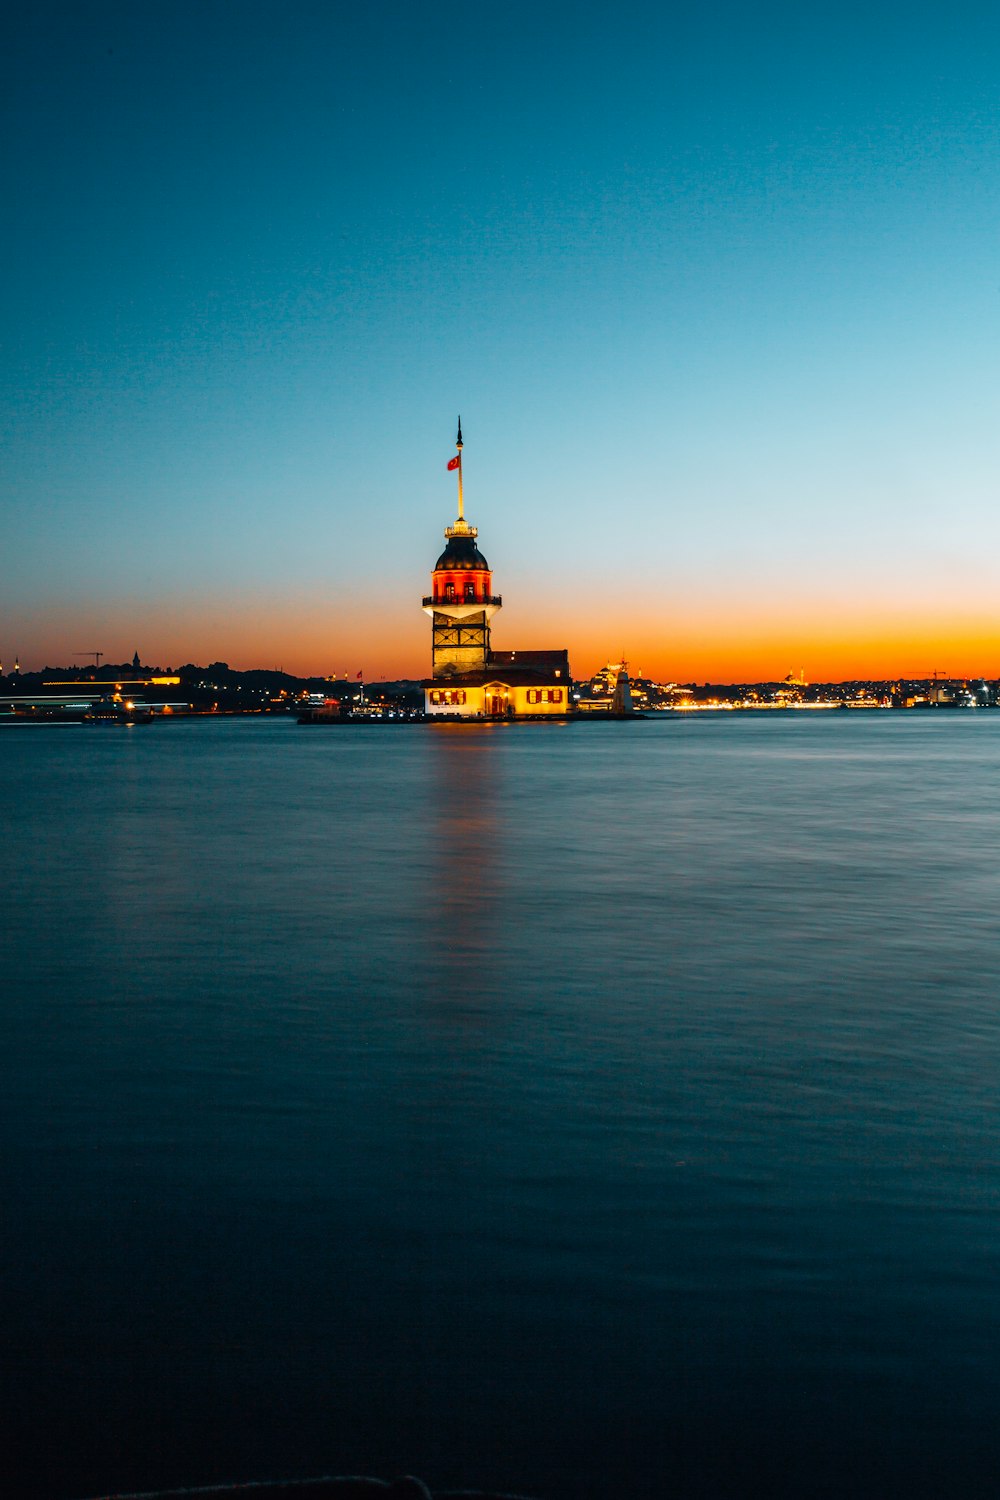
[(470, 591)]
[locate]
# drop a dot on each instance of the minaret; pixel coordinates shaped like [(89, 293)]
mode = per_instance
[(461, 602)]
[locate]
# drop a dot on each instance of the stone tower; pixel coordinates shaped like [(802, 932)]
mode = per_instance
[(461, 603)]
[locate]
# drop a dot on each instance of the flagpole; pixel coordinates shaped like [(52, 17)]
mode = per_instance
[(461, 506)]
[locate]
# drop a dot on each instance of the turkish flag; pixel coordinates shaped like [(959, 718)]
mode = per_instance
[(360, 674), (456, 462)]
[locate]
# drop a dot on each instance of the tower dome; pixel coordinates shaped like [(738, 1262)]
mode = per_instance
[(462, 554)]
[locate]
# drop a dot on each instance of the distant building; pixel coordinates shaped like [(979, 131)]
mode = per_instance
[(468, 679), (602, 684), (610, 692)]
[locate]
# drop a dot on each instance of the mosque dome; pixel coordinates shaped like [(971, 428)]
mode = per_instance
[(462, 554)]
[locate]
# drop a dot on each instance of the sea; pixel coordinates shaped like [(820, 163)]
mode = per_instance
[(604, 1109)]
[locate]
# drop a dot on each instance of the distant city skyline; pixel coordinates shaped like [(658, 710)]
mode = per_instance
[(716, 294)]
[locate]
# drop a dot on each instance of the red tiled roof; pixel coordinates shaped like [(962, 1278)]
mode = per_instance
[(543, 661)]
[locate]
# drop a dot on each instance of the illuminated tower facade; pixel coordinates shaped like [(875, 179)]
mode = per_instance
[(461, 602)]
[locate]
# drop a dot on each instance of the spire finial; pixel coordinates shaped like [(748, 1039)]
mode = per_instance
[(461, 505)]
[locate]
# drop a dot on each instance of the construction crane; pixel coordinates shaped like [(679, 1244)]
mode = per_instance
[(95, 654)]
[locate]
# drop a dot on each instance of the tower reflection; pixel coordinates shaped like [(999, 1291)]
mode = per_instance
[(464, 893)]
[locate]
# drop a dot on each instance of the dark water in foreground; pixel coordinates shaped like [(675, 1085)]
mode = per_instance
[(589, 1110)]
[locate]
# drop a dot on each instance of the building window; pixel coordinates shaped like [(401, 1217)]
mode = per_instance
[(470, 591), (447, 697), (545, 695), (554, 695), (449, 591)]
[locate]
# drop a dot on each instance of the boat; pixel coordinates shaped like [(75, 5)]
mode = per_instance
[(321, 711), (111, 709)]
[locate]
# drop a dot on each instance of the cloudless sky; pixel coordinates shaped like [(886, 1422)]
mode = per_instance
[(716, 290)]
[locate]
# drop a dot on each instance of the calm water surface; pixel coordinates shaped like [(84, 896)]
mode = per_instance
[(591, 1110)]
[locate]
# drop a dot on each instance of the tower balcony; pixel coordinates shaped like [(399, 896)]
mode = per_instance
[(461, 609), (495, 599)]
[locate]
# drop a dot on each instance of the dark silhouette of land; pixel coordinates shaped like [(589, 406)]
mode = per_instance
[(220, 688)]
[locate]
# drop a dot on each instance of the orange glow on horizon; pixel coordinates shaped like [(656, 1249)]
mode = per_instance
[(692, 640)]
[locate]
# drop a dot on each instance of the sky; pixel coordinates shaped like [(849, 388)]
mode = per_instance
[(715, 289)]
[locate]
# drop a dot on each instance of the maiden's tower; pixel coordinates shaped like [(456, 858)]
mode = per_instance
[(468, 679)]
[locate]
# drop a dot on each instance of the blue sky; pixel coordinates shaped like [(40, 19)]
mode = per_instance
[(717, 293)]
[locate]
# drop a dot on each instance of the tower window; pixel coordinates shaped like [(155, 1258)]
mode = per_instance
[(449, 591), (470, 591)]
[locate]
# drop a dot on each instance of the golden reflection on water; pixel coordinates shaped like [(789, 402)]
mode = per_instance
[(465, 890)]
